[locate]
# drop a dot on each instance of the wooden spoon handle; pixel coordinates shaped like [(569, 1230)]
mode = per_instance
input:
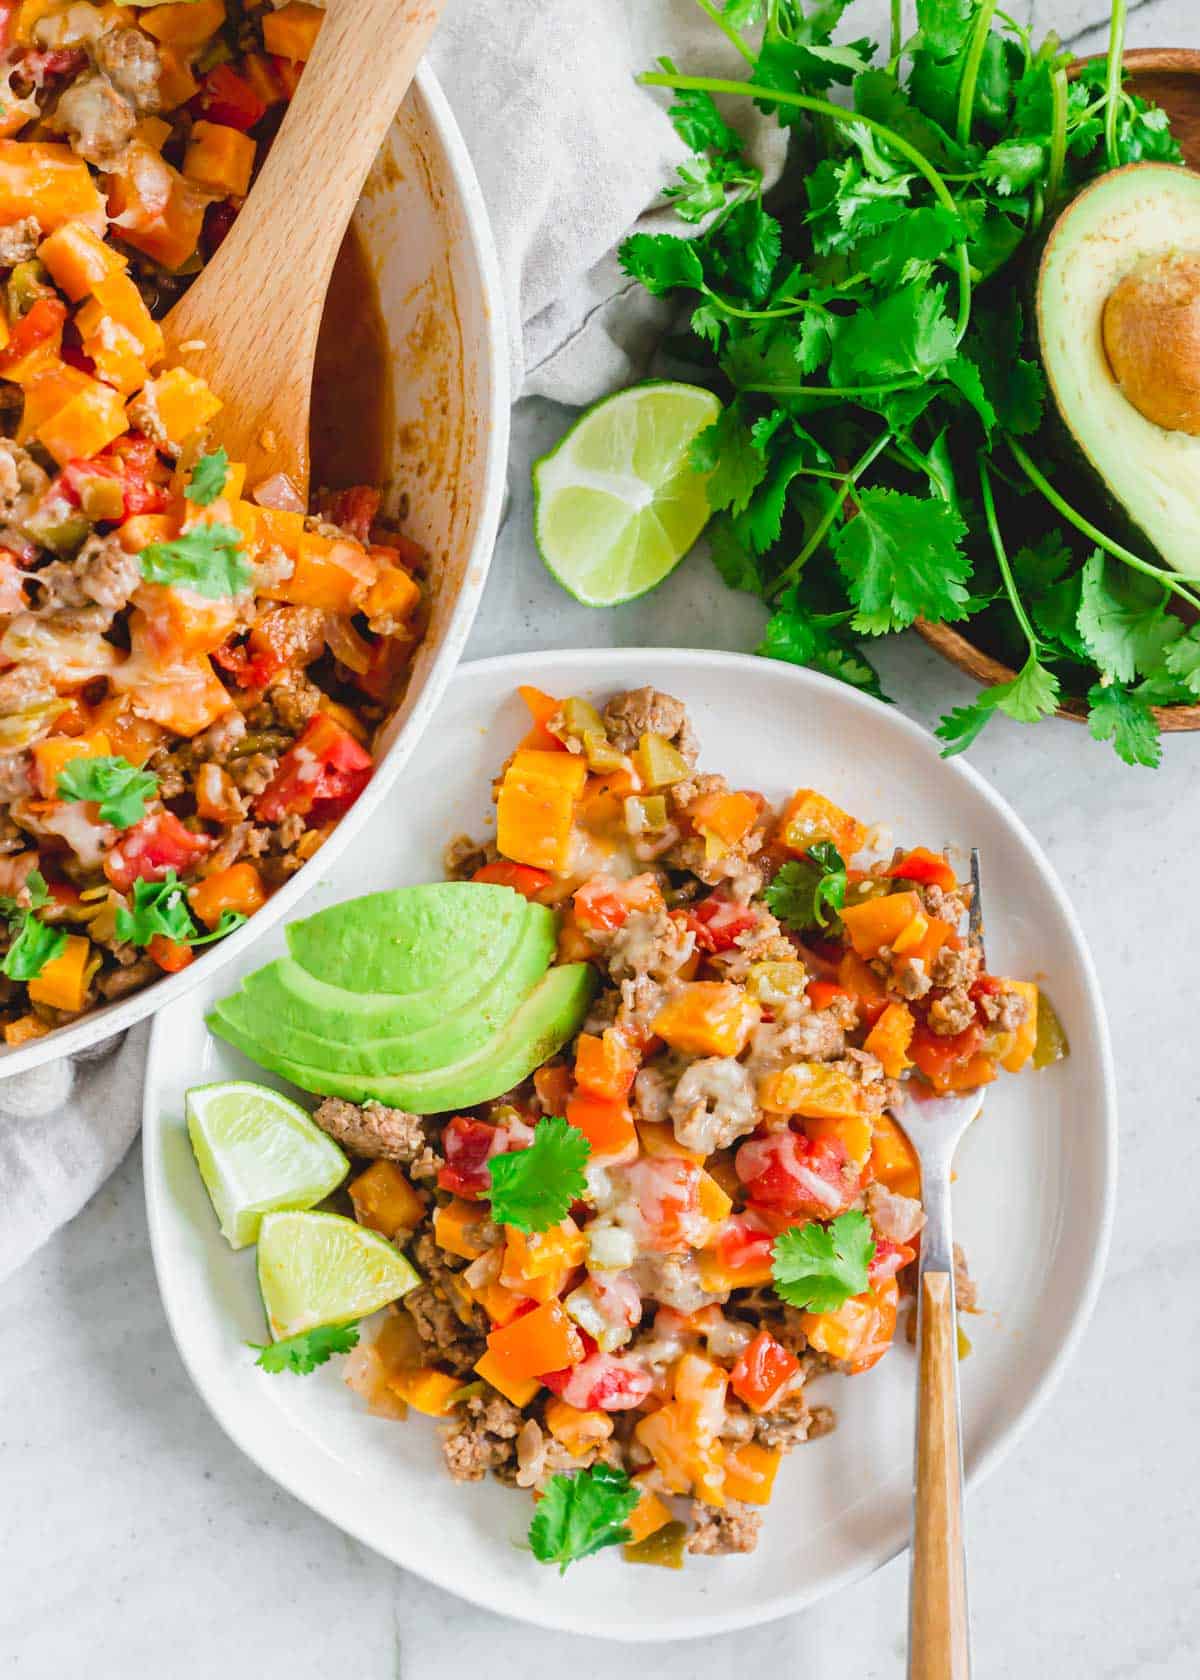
[(260, 334), (938, 1638)]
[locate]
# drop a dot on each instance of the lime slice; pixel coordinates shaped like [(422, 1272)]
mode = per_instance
[(318, 1268), (617, 503), (258, 1152)]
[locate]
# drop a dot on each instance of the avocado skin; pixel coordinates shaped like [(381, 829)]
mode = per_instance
[(411, 939), (363, 1040), (551, 1014)]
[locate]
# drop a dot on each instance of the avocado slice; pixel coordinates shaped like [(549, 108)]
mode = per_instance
[(412, 939), (551, 1014), (308, 1035), (295, 998), (1109, 303)]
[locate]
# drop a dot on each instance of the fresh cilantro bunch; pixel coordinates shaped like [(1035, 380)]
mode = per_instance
[(534, 1188), (580, 1514), (303, 1353), (160, 910), (819, 1267), (882, 456), (803, 891), (32, 942)]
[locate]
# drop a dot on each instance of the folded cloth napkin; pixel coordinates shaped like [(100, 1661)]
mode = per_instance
[(571, 154)]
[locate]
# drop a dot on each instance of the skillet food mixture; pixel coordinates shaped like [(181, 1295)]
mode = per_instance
[(634, 1262), (191, 669)]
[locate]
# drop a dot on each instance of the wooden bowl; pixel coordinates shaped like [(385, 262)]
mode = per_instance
[(1170, 77)]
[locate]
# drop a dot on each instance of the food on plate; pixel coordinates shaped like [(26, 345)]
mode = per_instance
[(192, 668), (886, 452), (637, 1253)]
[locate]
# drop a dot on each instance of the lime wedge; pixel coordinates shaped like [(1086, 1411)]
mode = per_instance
[(318, 1268), (258, 1152), (617, 503)]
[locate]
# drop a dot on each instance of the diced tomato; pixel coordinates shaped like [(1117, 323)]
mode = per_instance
[(287, 73), (354, 511), (744, 1244), (928, 869), (133, 467), (319, 778), (227, 98), (888, 1259), (41, 321), (823, 994), (601, 1382), (56, 61), (522, 877), (468, 1145), (761, 1372), (665, 1190), (170, 954), (605, 904), (152, 848), (717, 921), (936, 1057), (792, 1174), (74, 357)]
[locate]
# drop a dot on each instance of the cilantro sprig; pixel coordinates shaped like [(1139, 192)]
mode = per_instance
[(819, 1267), (809, 891), (534, 1188), (303, 1353), (160, 909), (208, 559), (118, 787), (582, 1513), (32, 942), (883, 455)]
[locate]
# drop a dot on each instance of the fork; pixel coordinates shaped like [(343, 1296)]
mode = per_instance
[(939, 1637)]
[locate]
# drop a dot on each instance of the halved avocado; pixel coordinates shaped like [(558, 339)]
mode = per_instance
[(1118, 316), (413, 939), (308, 1036), (296, 999), (551, 1014)]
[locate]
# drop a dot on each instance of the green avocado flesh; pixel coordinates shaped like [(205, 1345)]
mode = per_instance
[(551, 1014), (1139, 212), (371, 1042), (414, 939)]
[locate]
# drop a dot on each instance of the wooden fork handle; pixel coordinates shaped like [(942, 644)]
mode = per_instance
[(938, 1638)]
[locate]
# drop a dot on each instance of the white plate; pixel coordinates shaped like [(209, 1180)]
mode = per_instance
[(425, 232), (1033, 1201)]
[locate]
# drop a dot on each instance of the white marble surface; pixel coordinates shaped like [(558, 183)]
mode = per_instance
[(136, 1540)]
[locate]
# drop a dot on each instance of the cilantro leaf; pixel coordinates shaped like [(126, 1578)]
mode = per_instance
[(945, 25), (802, 889), (208, 559), (159, 907), (1016, 388), (34, 945), (746, 250), (901, 560), (661, 262), (698, 123), (966, 378), (908, 332), (803, 637), (1118, 715), (208, 478), (1032, 694), (1123, 619), (303, 1353), (35, 886), (961, 727), (1182, 660), (533, 1188), (118, 787), (1012, 165), (905, 250), (726, 452), (582, 1513), (819, 1267)]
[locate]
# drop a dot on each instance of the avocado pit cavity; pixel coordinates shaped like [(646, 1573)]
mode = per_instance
[(1151, 331)]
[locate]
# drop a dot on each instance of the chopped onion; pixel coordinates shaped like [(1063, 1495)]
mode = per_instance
[(346, 645), (280, 493)]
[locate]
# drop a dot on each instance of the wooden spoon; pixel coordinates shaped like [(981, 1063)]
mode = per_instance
[(249, 323)]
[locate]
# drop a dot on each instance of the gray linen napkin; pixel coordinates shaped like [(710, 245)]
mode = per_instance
[(571, 155)]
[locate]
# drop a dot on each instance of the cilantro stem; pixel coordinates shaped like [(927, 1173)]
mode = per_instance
[(839, 114), (970, 77), (1058, 135), (897, 38), (1116, 549), (723, 24), (797, 306), (1112, 82), (792, 571), (1010, 587)]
